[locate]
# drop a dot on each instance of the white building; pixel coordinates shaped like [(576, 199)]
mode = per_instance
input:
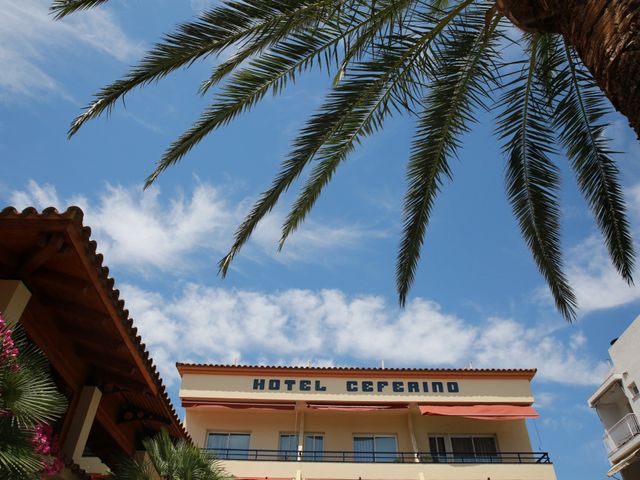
[(617, 402)]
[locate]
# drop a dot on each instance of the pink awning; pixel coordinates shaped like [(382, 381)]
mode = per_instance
[(353, 408), (481, 412), (238, 405)]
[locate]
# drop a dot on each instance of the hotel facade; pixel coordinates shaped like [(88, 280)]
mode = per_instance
[(360, 423)]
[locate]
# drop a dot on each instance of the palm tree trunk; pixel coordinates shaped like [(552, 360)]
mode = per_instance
[(604, 33)]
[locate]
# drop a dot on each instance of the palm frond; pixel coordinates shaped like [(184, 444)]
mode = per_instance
[(532, 179), (17, 457), (62, 8), (464, 78), (320, 129), (579, 119), (28, 392), (392, 80), (272, 71), (233, 22)]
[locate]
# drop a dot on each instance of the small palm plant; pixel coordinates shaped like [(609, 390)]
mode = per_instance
[(171, 461), (29, 402)]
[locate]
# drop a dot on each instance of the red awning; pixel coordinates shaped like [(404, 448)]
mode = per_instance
[(353, 408), (481, 412), (238, 405)]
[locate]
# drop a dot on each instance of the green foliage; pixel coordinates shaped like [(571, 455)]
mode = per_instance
[(441, 61), (28, 398), (172, 461)]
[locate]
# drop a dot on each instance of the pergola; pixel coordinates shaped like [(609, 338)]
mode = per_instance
[(54, 283)]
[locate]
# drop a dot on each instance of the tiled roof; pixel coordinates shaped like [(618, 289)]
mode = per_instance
[(74, 215), (518, 371)]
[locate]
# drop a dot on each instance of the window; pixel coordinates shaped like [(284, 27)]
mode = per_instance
[(474, 449), (633, 388), (288, 448), (374, 448), (437, 449), (463, 448), (313, 446), (229, 446)]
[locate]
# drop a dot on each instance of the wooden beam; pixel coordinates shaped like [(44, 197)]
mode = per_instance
[(107, 378), (109, 424), (52, 277), (75, 312), (95, 341), (51, 245), (8, 258), (99, 358), (132, 413), (57, 347)]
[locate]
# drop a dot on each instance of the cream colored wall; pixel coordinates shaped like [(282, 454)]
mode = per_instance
[(265, 427), (389, 471), (472, 390), (511, 435), (339, 428)]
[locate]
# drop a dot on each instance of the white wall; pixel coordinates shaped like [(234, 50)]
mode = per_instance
[(625, 354)]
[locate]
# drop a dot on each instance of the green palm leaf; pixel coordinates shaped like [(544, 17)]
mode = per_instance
[(322, 128), (532, 179), (249, 21), (435, 59), (578, 118), (391, 81), (464, 77), (62, 8), (272, 71), (165, 459)]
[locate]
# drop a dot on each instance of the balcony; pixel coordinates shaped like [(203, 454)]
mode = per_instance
[(335, 456), (347, 465), (623, 432)]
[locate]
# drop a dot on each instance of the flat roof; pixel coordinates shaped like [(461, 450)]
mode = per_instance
[(226, 369)]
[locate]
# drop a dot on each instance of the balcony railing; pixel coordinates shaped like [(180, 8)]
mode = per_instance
[(622, 432), (377, 457)]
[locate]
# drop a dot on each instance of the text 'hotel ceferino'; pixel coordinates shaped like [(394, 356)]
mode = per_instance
[(367, 386)]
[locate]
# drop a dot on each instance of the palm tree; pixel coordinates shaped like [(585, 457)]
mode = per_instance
[(29, 401), (166, 460), (441, 60)]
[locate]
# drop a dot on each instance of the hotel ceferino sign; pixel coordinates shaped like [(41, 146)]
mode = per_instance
[(353, 386)]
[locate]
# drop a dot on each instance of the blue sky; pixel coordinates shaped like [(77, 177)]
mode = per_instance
[(329, 297)]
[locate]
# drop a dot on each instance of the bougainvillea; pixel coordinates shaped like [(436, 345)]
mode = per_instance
[(27, 432), (8, 350), (46, 443)]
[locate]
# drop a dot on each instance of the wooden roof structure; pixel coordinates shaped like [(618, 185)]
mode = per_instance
[(76, 316)]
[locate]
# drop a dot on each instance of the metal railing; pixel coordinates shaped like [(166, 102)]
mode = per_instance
[(622, 432), (338, 456)]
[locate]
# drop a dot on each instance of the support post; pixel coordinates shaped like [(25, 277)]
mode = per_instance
[(14, 296), (300, 431), (82, 420), (412, 435)]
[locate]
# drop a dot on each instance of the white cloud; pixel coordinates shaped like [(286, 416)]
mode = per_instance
[(29, 37), (147, 231), (596, 282), (294, 326)]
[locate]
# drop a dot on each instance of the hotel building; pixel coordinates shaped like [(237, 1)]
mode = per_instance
[(617, 402), (364, 423)]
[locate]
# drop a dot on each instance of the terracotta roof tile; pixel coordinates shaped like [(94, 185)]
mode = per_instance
[(524, 371)]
